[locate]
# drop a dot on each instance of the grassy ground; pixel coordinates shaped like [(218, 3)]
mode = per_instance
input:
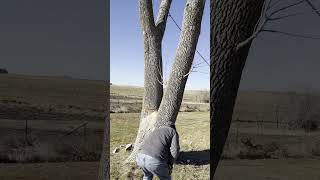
[(52, 106), (49, 171), (228, 170), (128, 99), (194, 145), (290, 169), (34, 97), (124, 127), (131, 91)]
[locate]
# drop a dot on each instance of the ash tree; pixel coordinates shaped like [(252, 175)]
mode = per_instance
[(234, 25), (161, 106)]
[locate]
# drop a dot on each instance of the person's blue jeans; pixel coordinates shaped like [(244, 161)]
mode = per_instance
[(151, 166)]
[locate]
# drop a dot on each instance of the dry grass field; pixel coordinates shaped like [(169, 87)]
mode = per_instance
[(194, 117), (194, 163), (291, 169), (262, 143), (37, 112)]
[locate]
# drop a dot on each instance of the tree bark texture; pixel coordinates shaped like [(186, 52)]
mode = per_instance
[(157, 109), (232, 21), (104, 165), (173, 95), (153, 87)]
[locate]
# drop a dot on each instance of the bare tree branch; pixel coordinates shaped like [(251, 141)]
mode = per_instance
[(247, 41), (191, 70), (313, 7), (198, 64), (265, 18), (273, 5), (269, 5), (291, 34), (163, 16), (160, 82), (286, 7), (285, 16), (260, 24), (194, 67)]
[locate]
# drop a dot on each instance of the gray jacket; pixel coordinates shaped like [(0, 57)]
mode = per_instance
[(162, 144)]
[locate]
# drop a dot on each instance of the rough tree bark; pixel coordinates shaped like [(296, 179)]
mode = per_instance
[(104, 165), (232, 22), (159, 109)]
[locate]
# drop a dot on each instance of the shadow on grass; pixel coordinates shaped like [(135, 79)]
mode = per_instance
[(194, 157)]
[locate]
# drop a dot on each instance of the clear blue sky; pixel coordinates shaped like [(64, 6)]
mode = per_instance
[(126, 44)]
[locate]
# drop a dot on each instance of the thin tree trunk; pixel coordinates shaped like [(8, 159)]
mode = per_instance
[(232, 21), (153, 114)]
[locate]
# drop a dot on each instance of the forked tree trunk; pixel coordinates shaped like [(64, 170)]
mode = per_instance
[(158, 110), (232, 21), (153, 88)]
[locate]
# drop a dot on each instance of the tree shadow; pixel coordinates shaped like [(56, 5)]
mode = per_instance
[(194, 157)]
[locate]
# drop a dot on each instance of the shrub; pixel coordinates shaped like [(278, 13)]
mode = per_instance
[(77, 152), (3, 71), (119, 109), (17, 150), (316, 150), (257, 151), (190, 108), (310, 125)]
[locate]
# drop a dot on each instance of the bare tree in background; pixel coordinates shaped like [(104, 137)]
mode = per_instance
[(234, 25), (160, 108)]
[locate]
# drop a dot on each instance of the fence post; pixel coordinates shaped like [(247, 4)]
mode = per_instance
[(26, 131), (258, 124), (237, 133), (85, 132), (277, 115), (262, 124)]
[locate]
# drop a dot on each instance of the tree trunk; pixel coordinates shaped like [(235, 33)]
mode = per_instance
[(104, 165), (153, 88), (232, 21), (153, 114), (173, 95)]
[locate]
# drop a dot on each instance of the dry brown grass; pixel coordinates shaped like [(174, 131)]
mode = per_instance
[(123, 131)]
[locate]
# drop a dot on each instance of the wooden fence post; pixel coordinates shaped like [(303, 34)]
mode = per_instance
[(237, 133), (277, 115), (85, 132), (26, 131)]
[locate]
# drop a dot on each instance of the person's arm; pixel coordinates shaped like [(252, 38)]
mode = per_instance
[(175, 147)]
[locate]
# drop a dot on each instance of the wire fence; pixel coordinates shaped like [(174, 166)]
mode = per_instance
[(49, 140)]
